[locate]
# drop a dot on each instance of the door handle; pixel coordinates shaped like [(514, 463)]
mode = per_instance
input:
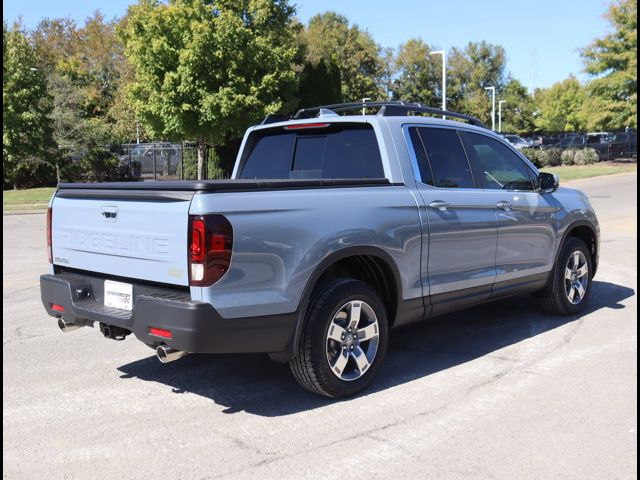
[(506, 206), (440, 205)]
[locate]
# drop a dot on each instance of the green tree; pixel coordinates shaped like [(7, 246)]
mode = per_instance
[(559, 107), (125, 123), (91, 56), (613, 61), (98, 60), (469, 71), (418, 74), (319, 85), (388, 72), (83, 67), (27, 142), (75, 135), (518, 111), (205, 70), (330, 38), (56, 42)]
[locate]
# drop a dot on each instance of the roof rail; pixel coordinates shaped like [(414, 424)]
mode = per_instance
[(388, 109)]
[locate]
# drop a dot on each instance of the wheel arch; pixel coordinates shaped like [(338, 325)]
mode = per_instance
[(370, 264), (586, 232)]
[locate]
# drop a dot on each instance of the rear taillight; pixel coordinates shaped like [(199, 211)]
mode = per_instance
[(210, 245), (49, 243), (198, 234)]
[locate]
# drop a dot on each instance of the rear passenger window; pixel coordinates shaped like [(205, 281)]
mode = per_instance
[(338, 151), (445, 155)]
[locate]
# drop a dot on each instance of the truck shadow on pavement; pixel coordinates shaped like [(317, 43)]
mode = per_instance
[(256, 385)]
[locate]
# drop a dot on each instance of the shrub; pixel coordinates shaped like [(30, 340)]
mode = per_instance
[(586, 156), (568, 156), (97, 165), (532, 154), (551, 157)]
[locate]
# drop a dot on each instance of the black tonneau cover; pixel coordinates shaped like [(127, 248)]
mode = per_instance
[(226, 185), (185, 189)]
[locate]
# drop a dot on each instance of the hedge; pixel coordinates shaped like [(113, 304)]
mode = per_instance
[(553, 157)]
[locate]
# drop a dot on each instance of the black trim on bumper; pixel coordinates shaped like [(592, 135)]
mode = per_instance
[(196, 326)]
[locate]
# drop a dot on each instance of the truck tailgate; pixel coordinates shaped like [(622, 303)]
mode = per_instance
[(143, 237)]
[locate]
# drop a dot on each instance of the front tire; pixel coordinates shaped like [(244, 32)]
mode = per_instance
[(571, 283), (344, 340)]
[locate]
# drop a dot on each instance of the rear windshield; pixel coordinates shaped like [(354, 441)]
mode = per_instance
[(337, 151)]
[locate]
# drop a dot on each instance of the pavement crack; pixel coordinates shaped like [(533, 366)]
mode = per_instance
[(19, 335)]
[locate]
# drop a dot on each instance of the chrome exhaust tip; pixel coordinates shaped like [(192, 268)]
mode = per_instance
[(66, 326), (166, 354)]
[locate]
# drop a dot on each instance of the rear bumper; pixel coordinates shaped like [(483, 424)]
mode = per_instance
[(196, 327)]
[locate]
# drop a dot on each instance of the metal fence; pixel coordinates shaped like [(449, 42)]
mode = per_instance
[(165, 161), (610, 145)]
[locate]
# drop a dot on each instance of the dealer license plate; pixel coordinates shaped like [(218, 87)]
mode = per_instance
[(118, 295)]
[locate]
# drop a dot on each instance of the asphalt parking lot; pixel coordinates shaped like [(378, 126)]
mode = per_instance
[(497, 391)]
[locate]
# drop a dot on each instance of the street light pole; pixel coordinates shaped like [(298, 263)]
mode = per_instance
[(500, 114), (444, 77), (364, 100), (493, 107)]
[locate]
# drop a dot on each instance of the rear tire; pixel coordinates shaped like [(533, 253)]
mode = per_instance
[(571, 282), (344, 340)]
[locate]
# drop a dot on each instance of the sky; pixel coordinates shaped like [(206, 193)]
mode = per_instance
[(542, 38)]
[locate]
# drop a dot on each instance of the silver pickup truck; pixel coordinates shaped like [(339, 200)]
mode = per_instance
[(334, 229)]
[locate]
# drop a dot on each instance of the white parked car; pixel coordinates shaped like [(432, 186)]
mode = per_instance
[(517, 141)]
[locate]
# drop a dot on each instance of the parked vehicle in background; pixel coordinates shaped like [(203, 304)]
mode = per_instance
[(601, 143), (549, 141), (517, 141), (535, 141), (573, 141), (625, 145), (603, 137), (148, 161), (333, 230)]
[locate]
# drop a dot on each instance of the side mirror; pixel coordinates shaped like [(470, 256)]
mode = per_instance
[(548, 182)]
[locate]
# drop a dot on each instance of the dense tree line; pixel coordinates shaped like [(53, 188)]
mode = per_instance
[(203, 71)]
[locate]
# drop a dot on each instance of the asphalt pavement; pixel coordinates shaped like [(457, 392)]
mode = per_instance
[(497, 391)]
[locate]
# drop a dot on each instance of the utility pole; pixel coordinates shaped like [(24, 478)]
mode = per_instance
[(500, 114), (493, 107), (444, 77)]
